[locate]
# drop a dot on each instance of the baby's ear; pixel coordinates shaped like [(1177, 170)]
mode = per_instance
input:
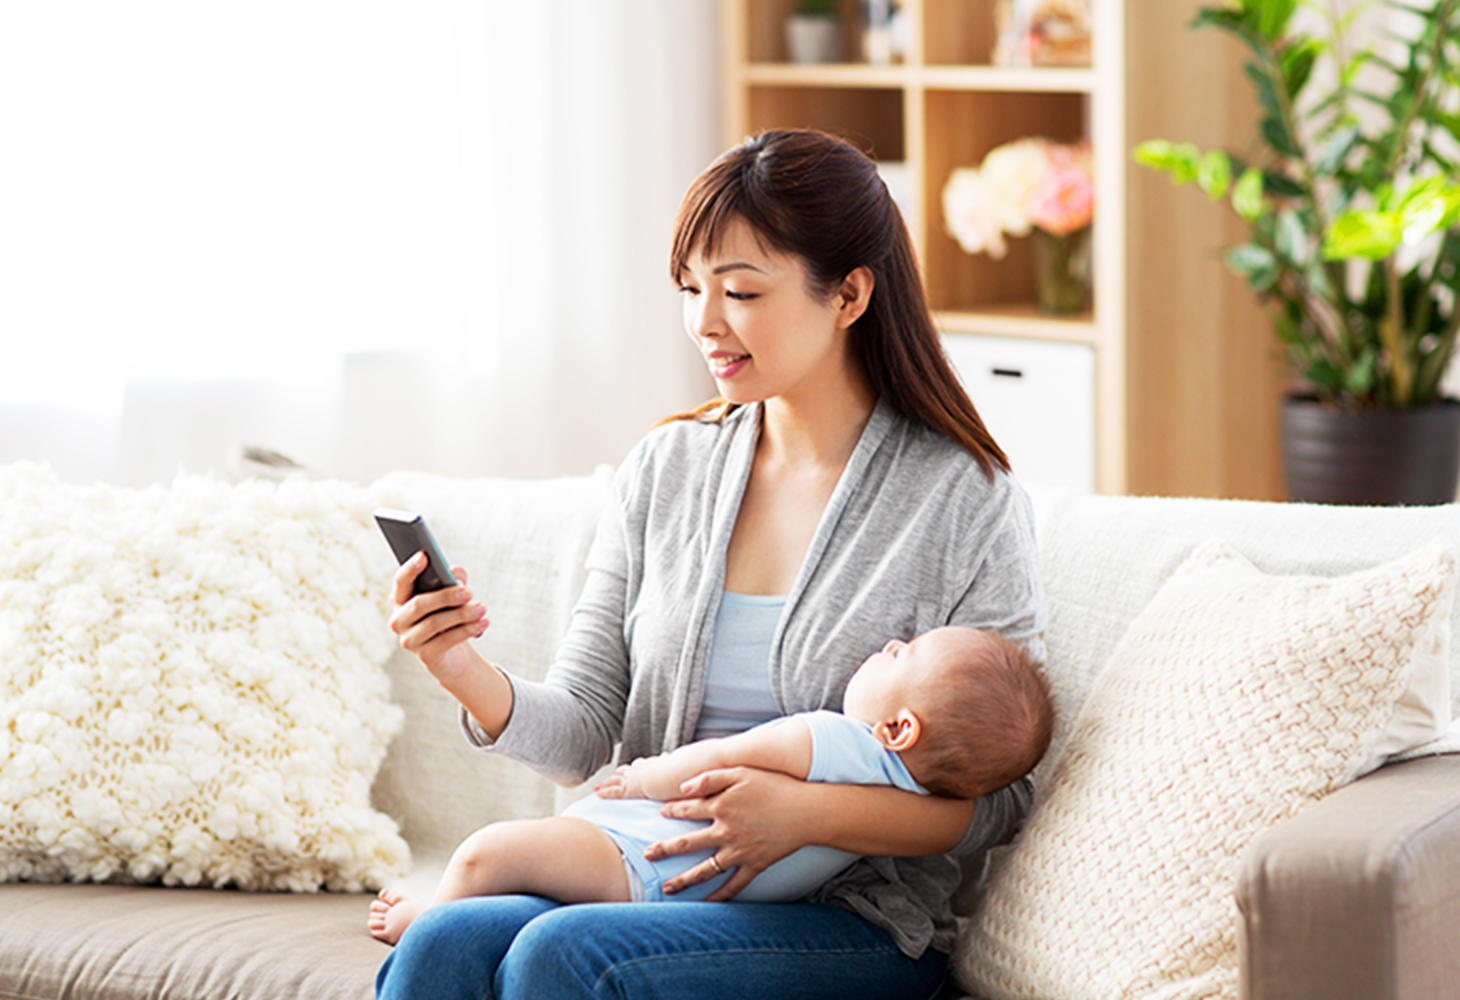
[(901, 733)]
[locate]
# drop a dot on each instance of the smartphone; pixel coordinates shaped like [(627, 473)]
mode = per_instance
[(407, 534)]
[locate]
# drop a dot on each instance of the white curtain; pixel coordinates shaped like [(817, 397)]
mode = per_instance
[(371, 235)]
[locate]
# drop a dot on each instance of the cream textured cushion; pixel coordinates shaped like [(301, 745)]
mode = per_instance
[(1233, 699), (191, 684)]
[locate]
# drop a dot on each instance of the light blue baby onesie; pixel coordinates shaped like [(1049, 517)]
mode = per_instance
[(843, 751)]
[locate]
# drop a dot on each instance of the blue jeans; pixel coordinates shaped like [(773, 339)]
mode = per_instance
[(520, 947)]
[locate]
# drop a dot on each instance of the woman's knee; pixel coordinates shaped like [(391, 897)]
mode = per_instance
[(454, 949), (562, 953)]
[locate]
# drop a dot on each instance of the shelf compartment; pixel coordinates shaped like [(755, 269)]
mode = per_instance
[(959, 32), (968, 126), (870, 119), (765, 39), (965, 33)]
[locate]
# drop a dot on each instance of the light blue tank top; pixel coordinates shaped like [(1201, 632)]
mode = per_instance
[(738, 682)]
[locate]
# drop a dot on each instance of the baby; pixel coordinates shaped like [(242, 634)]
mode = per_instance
[(957, 712)]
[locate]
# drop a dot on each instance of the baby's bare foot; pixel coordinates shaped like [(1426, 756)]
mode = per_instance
[(390, 915)]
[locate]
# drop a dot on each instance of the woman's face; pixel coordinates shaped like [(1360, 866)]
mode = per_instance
[(760, 329)]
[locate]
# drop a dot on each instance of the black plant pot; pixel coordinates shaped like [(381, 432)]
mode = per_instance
[(1370, 457)]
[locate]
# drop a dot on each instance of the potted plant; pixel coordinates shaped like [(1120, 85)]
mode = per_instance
[(814, 31), (1352, 203)]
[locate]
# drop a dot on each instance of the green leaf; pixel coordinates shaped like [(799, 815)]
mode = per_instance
[(1426, 11), (1428, 206), (1290, 238), (1359, 379), (1214, 173), (1376, 99), (1247, 194), (1283, 186), (1178, 159), (1254, 263), (1226, 18), (1297, 62), (1347, 73), (1328, 104), (1336, 149), (1275, 131), (1324, 375), (1273, 17), (1267, 94), (1370, 234)]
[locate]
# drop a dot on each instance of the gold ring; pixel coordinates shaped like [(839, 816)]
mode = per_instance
[(716, 865)]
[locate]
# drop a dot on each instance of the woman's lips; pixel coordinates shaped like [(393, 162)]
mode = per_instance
[(726, 365)]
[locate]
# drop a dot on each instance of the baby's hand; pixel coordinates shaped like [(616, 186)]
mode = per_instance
[(621, 784)]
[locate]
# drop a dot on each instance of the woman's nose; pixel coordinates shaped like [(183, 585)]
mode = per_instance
[(702, 318)]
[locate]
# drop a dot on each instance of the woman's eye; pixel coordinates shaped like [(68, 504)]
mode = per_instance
[(740, 296), (689, 290)]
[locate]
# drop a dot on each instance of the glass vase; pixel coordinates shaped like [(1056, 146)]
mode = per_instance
[(1062, 271)]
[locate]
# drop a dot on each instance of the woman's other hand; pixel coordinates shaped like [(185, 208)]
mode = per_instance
[(435, 625), (755, 820)]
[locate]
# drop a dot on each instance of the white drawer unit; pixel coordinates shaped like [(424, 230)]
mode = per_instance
[(1037, 398)]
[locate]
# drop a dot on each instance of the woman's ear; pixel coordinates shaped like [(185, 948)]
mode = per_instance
[(853, 296), (901, 733)]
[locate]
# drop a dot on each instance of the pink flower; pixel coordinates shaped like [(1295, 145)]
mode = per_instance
[(1027, 182), (1064, 200)]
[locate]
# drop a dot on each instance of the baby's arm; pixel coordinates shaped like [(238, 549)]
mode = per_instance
[(784, 746)]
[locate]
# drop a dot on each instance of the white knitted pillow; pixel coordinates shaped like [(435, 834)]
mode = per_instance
[(1233, 699), (191, 684)]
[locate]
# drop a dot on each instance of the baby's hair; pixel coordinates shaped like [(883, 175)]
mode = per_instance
[(991, 722)]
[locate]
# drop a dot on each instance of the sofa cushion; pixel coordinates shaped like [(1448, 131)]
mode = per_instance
[(1233, 699), (1104, 557), (191, 684), (109, 942)]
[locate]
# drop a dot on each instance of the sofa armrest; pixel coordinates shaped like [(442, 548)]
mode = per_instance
[(1359, 894)]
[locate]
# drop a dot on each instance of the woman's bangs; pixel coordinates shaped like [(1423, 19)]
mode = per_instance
[(708, 209)]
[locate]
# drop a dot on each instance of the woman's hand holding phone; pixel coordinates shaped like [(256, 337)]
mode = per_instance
[(434, 619), (435, 625)]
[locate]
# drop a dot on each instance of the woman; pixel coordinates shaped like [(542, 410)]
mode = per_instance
[(842, 491)]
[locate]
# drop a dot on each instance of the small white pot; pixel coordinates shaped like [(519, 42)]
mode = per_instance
[(814, 39)]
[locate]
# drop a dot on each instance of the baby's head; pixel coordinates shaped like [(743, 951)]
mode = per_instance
[(967, 710)]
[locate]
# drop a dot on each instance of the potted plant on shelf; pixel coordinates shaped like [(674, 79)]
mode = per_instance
[(1352, 205), (814, 32), (1030, 186)]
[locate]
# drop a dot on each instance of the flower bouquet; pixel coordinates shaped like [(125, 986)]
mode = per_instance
[(1030, 185)]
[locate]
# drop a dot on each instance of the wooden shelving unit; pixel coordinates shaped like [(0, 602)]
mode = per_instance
[(1186, 381)]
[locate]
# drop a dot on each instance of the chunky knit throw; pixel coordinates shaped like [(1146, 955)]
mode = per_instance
[(192, 688), (1233, 699)]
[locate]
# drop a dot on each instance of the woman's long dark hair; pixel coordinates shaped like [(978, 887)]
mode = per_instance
[(813, 195)]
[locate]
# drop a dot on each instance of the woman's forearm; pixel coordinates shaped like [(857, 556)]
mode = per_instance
[(482, 690), (884, 821)]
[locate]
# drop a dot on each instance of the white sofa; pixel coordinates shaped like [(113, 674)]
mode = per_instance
[(1357, 897)]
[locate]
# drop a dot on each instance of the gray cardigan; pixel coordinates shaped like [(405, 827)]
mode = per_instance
[(914, 536)]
